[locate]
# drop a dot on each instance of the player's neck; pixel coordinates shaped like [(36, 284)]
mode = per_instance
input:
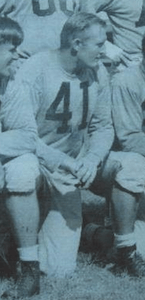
[(67, 61)]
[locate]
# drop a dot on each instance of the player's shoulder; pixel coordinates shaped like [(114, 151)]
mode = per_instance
[(34, 66), (130, 77)]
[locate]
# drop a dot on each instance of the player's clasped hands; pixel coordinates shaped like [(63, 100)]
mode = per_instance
[(84, 169)]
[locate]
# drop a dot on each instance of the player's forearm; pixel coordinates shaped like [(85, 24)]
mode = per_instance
[(51, 157)]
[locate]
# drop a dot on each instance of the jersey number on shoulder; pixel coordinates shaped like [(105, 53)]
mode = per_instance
[(66, 115), (51, 8)]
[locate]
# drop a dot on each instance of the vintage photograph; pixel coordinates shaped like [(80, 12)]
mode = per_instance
[(72, 149)]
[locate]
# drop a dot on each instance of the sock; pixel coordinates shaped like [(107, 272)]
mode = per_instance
[(124, 240), (28, 253)]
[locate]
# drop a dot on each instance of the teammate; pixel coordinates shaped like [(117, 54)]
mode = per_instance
[(69, 92), (128, 96), (18, 142), (127, 20), (41, 21), (7, 55)]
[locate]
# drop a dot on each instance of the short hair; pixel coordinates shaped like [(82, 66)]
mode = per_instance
[(76, 24), (143, 46), (10, 31)]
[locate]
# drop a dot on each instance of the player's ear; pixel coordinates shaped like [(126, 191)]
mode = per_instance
[(75, 46)]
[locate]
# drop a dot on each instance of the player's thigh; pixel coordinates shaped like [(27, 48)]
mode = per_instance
[(131, 176), (21, 173), (105, 177)]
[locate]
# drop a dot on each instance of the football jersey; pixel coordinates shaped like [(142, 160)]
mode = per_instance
[(128, 93), (127, 19), (72, 115), (19, 131), (41, 21)]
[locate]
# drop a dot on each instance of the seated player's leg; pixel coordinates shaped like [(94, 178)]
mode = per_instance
[(21, 201), (95, 237), (59, 236), (129, 180), (125, 197)]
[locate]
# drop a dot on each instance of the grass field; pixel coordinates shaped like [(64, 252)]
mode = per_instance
[(89, 282)]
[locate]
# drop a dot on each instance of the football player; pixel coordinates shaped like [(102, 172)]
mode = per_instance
[(7, 55), (127, 20), (70, 95), (17, 137), (41, 21), (128, 95)]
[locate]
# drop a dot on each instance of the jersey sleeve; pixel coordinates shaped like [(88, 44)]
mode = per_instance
[(19, 130), (127, 116), (94, 6), (101, 130), (49, 156)]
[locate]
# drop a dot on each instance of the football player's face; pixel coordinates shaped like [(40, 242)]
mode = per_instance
[(92, 45), (7, 55)]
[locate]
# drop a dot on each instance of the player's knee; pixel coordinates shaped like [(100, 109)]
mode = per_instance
[(21, 174), (132, 175)]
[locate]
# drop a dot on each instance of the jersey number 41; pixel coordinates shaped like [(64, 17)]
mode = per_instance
[(66, 115)]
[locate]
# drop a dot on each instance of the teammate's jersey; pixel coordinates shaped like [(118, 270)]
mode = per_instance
[(126, 17), (71, 115), (129, 109), (41, 21), (19, 131)]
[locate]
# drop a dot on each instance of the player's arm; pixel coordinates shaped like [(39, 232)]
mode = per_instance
[(6, 7), (101, 136), (116, 54), (101, 131), (127, 116), (19, 131), (53, 158)]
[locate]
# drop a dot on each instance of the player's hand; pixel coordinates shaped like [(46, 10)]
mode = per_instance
[(86, 170), (122, 58), (69, 165), (22, 53), (76, 5), (7, 7), (125, 59), (116, 54)]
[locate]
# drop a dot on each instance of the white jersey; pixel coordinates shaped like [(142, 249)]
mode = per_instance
[(41, 21), (71, 115), (128, 96)]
